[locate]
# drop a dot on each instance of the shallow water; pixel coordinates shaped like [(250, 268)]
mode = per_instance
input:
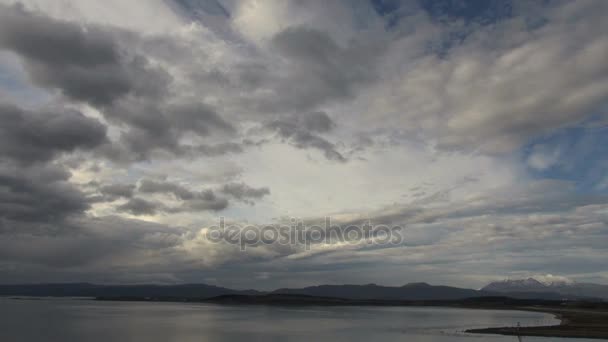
[(87, 320)]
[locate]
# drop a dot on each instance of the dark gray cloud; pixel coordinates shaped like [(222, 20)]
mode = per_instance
[(318, 122), (37, 194), (325, 71), (244, 192), (29, 136), (206, 199), (115, 191), (154, 126), (305, 70), (150, 186), (96, 64), (84, 64), (99, 242), (218, 149), (189, 201), (301, 132), (203, 201), (198, 118), (139, 206), (46, 40)]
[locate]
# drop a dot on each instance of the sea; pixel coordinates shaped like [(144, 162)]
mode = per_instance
[(79, 319)]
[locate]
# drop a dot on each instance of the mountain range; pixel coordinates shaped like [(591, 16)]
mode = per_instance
[(520, 289), (412, 291), (564, 288)]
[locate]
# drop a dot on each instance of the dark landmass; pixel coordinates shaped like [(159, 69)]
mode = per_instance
[(576, 322), (417, 291), (493, 303), (93, 290), (412, 291), (563, 288), (297, 299)]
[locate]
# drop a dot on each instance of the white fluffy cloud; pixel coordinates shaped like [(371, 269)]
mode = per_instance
[(503, 85)]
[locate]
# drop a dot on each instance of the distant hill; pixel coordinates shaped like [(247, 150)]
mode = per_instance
[(526, 289), (533, 287), (416, 291), (91, 290), (412, 291)]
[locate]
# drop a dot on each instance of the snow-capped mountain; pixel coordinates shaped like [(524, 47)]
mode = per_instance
[(517, 285), (549, 285)]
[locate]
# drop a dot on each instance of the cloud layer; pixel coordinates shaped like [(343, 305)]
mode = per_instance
[(478, 130)]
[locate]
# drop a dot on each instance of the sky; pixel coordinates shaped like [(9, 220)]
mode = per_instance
[(128, 129)]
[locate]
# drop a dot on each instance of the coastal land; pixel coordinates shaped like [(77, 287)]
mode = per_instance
[(575, 323)]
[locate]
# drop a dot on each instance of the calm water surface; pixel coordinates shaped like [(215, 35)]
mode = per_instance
[(65, 320)]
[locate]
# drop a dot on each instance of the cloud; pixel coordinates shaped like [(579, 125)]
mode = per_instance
[(190, 201), (134, 17), (494, 95), (244, 192), (543, 157), (218, 149), (202, 201), (139, 206), (40, 194), (100, 242), (115, 191), (85, 64), (439, 122), (258, 22), (199, 118), (325, 70), (153, 126), (150, 186), (549, 279), (318, 122), (38, 136), (301, 133)]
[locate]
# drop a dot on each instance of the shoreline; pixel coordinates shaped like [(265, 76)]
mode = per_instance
[(590, 324)]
